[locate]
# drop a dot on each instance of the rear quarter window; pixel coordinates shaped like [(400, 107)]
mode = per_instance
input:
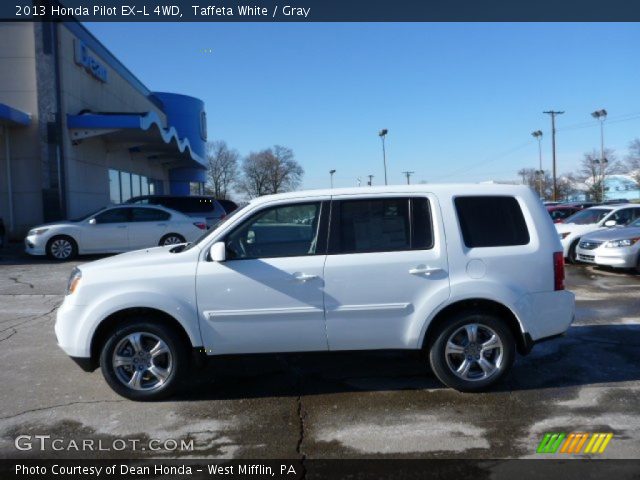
[(491, 221)]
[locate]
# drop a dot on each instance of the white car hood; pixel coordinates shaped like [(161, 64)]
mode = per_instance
[(136, 258), (574, 228)]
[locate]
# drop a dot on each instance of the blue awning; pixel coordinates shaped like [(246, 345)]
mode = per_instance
[(12, 117), (141, 132)]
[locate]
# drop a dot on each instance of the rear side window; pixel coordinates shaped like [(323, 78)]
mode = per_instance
[(491, 221), (150, 215), (381, 225)]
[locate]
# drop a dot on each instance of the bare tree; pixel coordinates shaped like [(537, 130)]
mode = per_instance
[(593, 172), (542, 184), (567, 185), (223, 168), (632, 162), (273, 170)]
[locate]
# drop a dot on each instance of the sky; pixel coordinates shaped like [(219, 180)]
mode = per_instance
[(459, 100)]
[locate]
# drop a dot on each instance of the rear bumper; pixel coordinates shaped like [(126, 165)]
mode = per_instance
[(547, 314)]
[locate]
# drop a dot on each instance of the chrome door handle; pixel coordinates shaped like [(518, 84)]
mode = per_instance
[(424, 270), (303, 277), (122, 226)]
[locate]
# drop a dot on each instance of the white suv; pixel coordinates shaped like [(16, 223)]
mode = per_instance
[(468, 273)]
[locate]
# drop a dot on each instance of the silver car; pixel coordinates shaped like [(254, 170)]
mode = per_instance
[(612, 247)]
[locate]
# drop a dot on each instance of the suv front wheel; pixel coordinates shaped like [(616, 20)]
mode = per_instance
[(143, 360), (472, 351)]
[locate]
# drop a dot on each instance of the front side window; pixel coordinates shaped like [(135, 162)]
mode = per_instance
[(149, 215), (283, 231), (115, 215), (624, 216), (495, 221)]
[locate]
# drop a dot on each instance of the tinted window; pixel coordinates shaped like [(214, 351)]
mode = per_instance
[(149, 215), (373, 225), (421, 230), (115, 215), (285, 231), (491, 221), (228, 205)]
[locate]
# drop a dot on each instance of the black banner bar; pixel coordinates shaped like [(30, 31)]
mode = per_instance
[(571, 468), (321, 10)]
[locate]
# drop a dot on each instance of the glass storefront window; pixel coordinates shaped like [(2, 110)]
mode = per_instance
[(114, 186), (125, 181), (196, 188), (135, 185), (145, 185)]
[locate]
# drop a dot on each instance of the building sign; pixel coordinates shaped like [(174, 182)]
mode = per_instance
[(85, 59)]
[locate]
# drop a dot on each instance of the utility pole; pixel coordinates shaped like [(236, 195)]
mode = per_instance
[(370, 180), (553, 114), (408, 175)]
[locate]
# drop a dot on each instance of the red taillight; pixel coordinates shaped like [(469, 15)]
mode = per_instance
[(558, 271), (201, 225)]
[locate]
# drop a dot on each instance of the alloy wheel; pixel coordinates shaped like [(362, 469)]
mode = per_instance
[(142, 361), (61, 248), (474, 352), (172, 240)]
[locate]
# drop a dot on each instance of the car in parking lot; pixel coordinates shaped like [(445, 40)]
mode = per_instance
[(616, 247), (591, 219), (113, 230), (559, 213), (425, 267), (212, 209)]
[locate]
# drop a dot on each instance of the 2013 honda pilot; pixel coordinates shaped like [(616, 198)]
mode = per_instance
[(471, 274)]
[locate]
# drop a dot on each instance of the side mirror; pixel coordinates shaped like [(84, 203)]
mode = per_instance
[(218, 252), (92, 221), (610, 223)]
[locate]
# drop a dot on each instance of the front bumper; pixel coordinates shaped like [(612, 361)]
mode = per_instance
[(69, 335), (624, 257), (35, 245)]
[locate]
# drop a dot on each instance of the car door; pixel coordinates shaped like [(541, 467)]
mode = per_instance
[(385, 273), (267, 296), (624, 216), (147, 227), (107, 231)]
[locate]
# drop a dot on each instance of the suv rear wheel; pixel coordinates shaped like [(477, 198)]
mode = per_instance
[(143, 360), (472, 351)]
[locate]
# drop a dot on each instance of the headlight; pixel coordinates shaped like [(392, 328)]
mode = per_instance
[(564, 235), (627, 242), (74, 280), (37, 231)]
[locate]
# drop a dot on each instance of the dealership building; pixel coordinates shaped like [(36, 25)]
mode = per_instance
[(78, 130)]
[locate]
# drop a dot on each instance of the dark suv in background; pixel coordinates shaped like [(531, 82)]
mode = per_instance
[(214, 210)]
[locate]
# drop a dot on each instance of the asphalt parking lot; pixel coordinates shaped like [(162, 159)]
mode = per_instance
[(327, 406)]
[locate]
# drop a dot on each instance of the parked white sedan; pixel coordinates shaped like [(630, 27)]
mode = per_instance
[(113, 230)]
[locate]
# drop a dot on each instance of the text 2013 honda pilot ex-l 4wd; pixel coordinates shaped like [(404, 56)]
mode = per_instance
[(468, 273)]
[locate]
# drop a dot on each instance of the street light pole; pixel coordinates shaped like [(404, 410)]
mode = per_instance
[(538, 136), (553, 114), (601, 116), (331, 172), (382, 134)]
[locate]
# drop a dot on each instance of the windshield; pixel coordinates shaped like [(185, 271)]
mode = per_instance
[(209, 232), (84, 217), (588, 216), (635, 224)]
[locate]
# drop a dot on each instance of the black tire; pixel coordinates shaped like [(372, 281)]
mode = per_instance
[(443, 365), (58, 246), (168, 236), (573, 256), (175, 370)]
